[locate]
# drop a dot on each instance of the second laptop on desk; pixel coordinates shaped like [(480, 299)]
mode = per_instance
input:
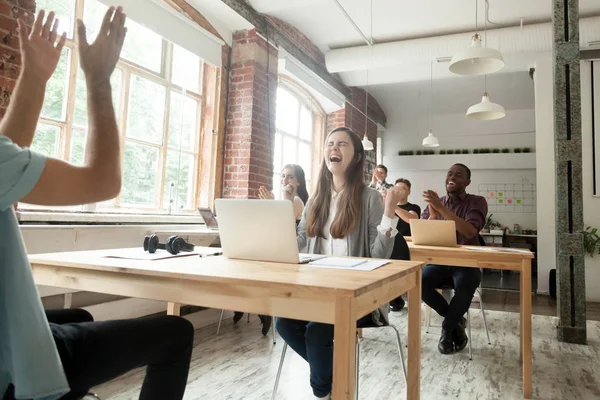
[(432, 232), (259, 230)]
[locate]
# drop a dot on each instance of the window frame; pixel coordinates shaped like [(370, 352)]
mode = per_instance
[(318, 131), (164, 78)]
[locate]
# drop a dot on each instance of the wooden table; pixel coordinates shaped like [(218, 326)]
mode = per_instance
[(503, 260), (338, 297)]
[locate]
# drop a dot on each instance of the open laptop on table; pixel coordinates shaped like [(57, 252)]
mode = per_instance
[(261, 230), (209, 218), (431, 232)]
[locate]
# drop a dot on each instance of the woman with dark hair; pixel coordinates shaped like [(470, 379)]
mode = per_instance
[(344, 217), (293, 188)]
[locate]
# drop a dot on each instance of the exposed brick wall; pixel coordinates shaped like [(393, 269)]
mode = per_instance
[(298, 38), (10, 55), (249, 140)]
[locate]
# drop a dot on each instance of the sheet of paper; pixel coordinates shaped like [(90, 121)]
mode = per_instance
[(498, 249), (137, 253), (338, 262), (368, 265)]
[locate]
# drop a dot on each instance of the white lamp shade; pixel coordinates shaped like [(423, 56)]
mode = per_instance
[(476, 60), (486, 110), (367, 144), (431, 141)]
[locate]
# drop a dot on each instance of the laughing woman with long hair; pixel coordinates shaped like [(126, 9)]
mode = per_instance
[(342, 218)]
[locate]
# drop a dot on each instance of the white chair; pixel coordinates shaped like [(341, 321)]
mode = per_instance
[(398, 344)]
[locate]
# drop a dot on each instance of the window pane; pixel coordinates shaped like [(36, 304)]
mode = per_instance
[(304, 158), (179, 173), (93, 13), (182, 122), (64, 10), (80, 116), (143, 47), (277, 154), (186, 69), (289, 150), (46, 139), (287, 112), (56, 89), (146, 110), (140, 173), (306, 123), (78, 142)]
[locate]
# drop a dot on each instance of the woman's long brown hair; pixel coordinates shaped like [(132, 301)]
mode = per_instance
[(348, 209)]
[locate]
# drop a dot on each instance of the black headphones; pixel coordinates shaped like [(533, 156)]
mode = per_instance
[(174, 245)]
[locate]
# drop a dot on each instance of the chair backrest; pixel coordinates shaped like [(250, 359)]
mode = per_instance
[(481, 240)]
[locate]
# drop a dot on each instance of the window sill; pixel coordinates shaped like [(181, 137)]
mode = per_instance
[(28, 217)]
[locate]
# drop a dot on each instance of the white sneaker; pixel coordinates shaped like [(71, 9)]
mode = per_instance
[(328, 397)]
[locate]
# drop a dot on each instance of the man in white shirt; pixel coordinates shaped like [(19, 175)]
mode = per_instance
[(43, 361)]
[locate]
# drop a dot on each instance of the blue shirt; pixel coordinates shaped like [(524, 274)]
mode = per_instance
[(28, 356)]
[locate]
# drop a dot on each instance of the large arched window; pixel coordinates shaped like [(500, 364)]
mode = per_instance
[(299, 132)]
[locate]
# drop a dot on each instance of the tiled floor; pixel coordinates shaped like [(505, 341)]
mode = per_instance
[(242, 364)]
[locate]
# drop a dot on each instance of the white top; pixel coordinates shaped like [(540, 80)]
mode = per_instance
[(339, 247)]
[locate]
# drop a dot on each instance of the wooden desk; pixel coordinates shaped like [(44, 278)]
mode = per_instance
[(521, 261), (338, 297)]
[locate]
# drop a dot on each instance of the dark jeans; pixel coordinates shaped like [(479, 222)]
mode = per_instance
[(313, 341), (464, 280), (93, 353)]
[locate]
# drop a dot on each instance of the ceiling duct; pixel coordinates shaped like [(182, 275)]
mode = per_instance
[(535, 38)]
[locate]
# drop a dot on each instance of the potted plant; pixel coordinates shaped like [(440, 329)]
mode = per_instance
[(495, 151), (419, 152), (465, 151), (442, 152), (411, 153), (449, 151), (457, 151), (526, 150), (475, 151), (517, 150), (505, 150)]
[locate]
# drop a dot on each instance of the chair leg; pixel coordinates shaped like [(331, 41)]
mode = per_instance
[(285, 345), (248, 317), (274, 333), (357, 367), (220, 319), (399, 344), (469, 338), (428, 318), (483, 315)]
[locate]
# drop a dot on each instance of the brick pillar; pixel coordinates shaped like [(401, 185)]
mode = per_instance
[(10, 56), (249, 140), (570, 262)]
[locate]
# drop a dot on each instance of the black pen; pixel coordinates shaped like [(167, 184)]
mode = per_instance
[(210, 255)]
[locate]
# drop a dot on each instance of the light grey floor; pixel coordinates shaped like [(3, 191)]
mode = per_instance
[(242, 364)]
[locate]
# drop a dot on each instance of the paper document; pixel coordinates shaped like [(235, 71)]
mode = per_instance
[(498, 249), (348, 263), (137, 253)]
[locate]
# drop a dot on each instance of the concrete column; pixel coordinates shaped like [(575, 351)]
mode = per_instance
[(568, 174)]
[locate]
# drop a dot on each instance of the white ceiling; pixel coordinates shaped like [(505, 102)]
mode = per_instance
[(325, 25), (514, 91)]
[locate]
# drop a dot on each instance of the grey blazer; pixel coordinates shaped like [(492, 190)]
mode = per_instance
[(364, 241)]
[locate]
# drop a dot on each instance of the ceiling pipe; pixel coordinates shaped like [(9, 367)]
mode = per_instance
[(349, 18), (535, 38)]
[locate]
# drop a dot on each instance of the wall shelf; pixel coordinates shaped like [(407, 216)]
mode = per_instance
[(441, 162)]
